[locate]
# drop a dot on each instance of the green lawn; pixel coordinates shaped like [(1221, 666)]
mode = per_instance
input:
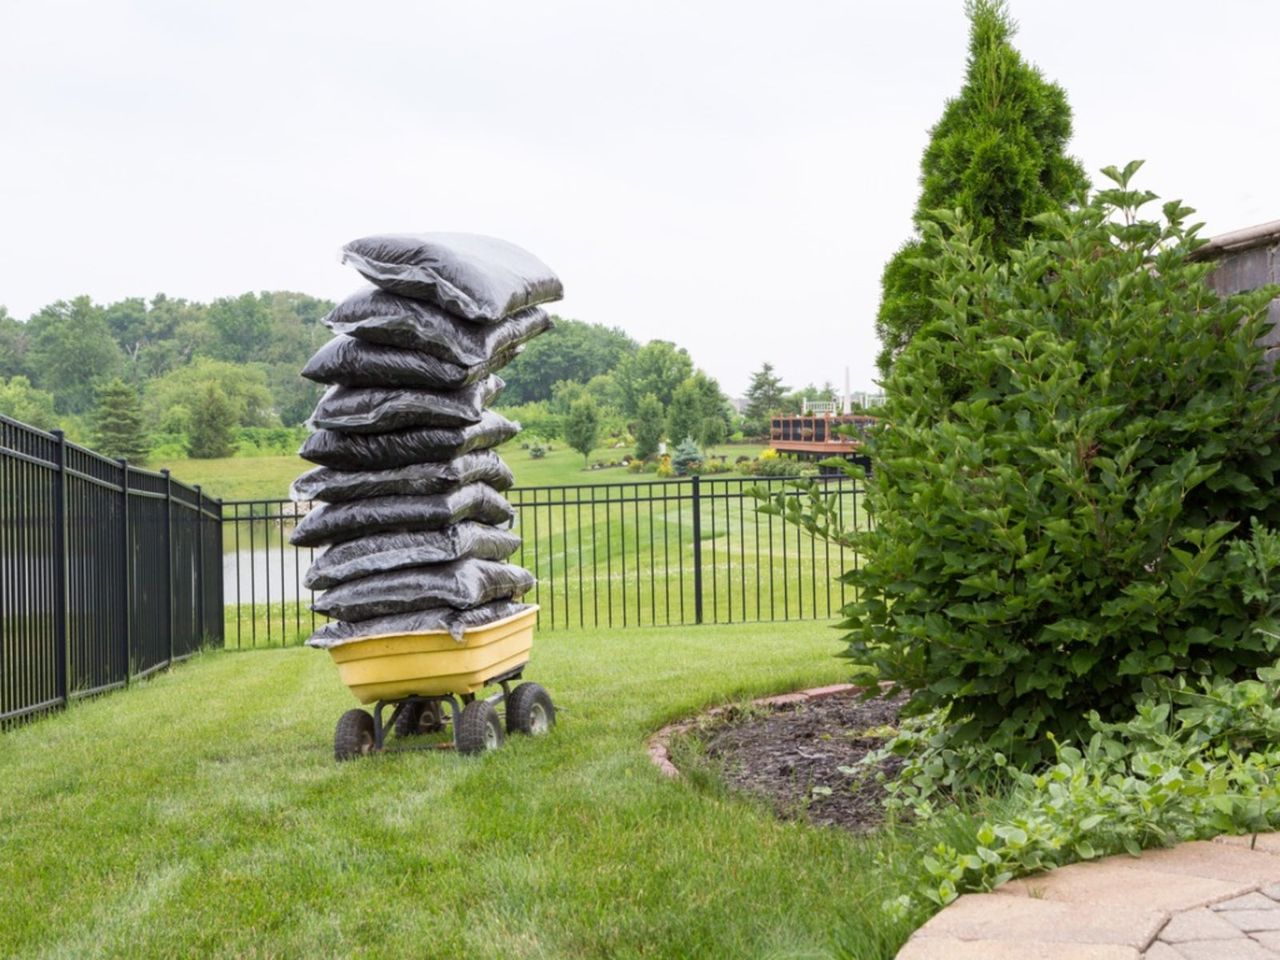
[(268, 478), (201, 814)]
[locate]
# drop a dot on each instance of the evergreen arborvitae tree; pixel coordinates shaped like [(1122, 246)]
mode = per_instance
[(117, 422), (649, 421), (582, 426), (997, 155), (764, 395), (211, 426)]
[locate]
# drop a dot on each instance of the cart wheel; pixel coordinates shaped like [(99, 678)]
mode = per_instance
[(479, 728), (354, 736), (419, 717), (529, 710)]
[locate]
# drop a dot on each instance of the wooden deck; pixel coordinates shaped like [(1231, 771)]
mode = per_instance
[(816, 435)]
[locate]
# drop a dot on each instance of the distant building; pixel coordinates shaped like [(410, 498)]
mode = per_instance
[(1248, 259)]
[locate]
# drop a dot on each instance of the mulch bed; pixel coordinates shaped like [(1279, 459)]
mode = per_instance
[(782, 755)]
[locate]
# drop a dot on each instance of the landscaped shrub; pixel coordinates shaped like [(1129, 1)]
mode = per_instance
[(774, 466), (687, 460), (1063, 503), (1195, 758)]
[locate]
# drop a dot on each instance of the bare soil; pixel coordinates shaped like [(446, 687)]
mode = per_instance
[(784, 754)]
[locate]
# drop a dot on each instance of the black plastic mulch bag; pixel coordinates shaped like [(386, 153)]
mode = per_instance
[(457, 622), (335, 522), (472, 276), (416, 479), (396, 551), (355, 363), (377, 316), (363, 451), (462, 584), (374, 410)]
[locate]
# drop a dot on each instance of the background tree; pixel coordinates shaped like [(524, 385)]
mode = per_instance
[(168, 400), (573, 350), (582, 426), (998, 154), (712, 432), (72, 351), (117, 422), (242, 329), (648, 426), (684, 416), (656, 368), (14, 342), (21, 401), (211, 425), (764, 396)]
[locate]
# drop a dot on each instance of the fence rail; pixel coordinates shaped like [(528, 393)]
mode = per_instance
[(606, 555), (107, 572)]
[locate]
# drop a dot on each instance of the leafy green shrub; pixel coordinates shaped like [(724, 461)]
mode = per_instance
[(1063, 504), (536, 418), (774, 467), (1197, 758)]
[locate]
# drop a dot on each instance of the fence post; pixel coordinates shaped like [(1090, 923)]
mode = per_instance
[(60, 578), (168, 552), (697, 550), (200, 565), (221, 615), (127, 640)]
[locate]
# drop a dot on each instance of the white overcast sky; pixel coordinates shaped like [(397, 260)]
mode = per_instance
[(728, 175)]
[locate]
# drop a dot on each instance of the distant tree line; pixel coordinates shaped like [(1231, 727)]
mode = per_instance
[(170, 377)]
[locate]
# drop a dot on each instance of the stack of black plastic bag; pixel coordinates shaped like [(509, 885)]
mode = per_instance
[(409, 490)]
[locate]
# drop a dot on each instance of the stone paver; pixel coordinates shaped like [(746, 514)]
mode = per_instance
[(996, 950), (1250, 901), (1120, 880), (1214, 860), (991, 916), (1216, 900), (1222, 950), (1251, 921), (1198, 925), (1267, 842)]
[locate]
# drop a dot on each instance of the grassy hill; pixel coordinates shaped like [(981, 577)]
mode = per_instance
[(268, 478)]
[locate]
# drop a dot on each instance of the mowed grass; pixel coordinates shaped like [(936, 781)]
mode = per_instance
[(201, 814), (268, 478)]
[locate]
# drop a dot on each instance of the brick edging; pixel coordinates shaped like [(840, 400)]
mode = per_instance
[(659, 744)]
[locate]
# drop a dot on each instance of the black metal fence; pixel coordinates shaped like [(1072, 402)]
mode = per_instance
[(107, 572), (606, 555)]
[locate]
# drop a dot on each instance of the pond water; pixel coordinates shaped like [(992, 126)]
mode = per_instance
[(259, 563)]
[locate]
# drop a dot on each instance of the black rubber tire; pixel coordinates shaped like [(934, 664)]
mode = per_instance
[(354, 736), (530, 710), (479, 728), (419, 717)]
